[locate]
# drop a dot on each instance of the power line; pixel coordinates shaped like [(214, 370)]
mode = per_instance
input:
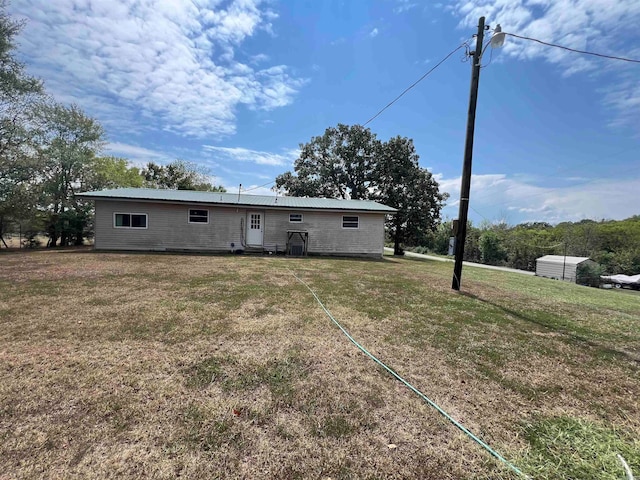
[(480, 214), (259, 186), (414, 84), (585, 52), (465, 45), (395, 99)]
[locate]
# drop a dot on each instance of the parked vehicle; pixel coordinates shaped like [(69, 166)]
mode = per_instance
[(623, 281)]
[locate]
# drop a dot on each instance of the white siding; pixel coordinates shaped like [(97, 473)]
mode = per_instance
[(168, 229), (554, 270), (326, 235)]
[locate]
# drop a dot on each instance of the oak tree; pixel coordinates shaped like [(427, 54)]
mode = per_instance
[(350, 162)]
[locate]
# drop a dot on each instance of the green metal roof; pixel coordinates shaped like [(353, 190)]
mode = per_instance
[(191, 196)]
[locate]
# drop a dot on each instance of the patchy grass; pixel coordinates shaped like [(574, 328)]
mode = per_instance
[(152, 365), (574, 448)]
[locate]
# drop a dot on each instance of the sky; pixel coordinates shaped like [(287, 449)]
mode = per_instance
[(237, 86)]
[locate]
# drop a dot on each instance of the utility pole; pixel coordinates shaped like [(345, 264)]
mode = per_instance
[(465, 187)]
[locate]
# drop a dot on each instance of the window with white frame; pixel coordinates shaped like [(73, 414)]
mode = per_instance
[(295, 218), (130, 220), (350, 221), (198, 215)]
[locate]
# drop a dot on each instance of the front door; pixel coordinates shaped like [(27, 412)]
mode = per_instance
[(254, 228)]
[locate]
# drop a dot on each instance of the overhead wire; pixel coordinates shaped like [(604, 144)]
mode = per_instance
[(259, 186), (585, 52), (465, 58), (471, 207), (414, 83), (575, 50), (490, 58), (431, 70)]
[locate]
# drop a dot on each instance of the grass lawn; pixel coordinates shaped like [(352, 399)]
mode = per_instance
[(205, 367)]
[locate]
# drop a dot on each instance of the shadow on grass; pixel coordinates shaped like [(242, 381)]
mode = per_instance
[(572, 337)]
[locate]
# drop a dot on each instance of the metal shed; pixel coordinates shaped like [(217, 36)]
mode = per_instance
[(560, 267)]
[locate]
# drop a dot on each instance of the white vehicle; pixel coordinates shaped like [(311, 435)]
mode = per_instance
[(621, 281)]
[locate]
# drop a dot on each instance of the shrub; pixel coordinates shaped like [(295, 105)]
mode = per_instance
[(589, 274)]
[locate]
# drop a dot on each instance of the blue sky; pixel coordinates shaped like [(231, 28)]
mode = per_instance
[(236, 86)]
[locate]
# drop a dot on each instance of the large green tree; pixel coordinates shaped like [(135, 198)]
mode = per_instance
[(400, 182), (177, 175), (69, 141), (350, 162), (19, 166), (112, 172), (338, 164)]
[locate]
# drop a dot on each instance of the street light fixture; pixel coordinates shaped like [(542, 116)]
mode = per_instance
[(461, 232), (497, 40)]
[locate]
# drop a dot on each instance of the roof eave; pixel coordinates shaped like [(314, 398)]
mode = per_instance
[(88, 195)]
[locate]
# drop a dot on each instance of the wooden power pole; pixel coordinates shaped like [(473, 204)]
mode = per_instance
[(465, 187)]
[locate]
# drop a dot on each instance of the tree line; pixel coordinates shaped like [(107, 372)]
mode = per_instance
[(50, 151), (614, 245)]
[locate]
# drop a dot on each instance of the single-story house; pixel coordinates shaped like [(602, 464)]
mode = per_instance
[(560, 267), (185, 220)]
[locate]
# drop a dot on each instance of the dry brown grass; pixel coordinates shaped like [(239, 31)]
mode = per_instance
[(136, 365)]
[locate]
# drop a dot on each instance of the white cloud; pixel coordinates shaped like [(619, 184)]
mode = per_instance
[(602, 26), (624, 97), (240, 154), (170, 61), (259, 58), (373, 33), (494, 194), (404, 6), (138, 156)]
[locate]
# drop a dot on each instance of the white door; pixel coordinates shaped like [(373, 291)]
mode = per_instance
[(254, 228)]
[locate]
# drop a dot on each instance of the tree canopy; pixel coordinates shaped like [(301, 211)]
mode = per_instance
[(178, 175), (50, 151), (20, 93), (401, 183), (113, 172), (68, 141), (337, 164), (614, 244), (350, 162)]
